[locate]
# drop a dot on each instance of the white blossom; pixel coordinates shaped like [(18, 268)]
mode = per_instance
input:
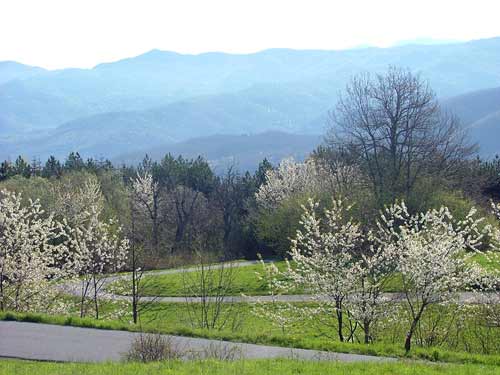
[(31, 256), (291, 178), (97, 246), (327, 260), (433, 255)]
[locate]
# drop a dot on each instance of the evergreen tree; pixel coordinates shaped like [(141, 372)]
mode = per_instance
[(22, 168), (6, 170), (74, 162), (52, 168)]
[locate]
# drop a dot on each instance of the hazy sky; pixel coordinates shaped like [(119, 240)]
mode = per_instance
[(82, 33)]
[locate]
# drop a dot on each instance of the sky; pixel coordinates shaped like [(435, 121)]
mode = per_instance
[(82, 33)]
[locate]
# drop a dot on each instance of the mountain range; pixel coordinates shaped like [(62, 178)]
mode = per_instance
[(168, 101)]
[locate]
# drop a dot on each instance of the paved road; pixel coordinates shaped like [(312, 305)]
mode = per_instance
[(464, 297), (71, 344)]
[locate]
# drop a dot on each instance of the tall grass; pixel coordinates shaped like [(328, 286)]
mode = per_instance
[(242, 367)]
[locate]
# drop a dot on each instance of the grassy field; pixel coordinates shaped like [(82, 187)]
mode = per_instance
[(246, 281), (260, 367)]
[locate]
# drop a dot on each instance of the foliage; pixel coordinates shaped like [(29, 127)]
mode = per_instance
[(346, 268), (433, 250)]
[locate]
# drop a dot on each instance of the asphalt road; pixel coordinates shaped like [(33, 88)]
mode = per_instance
[(71, 344)]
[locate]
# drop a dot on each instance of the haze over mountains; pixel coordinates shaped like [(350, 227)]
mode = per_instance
[(163, 101)]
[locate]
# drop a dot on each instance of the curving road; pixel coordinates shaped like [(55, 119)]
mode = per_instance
[(71, 344)]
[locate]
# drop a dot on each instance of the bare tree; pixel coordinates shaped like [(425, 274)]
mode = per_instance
[(207, 289), (149, 200), (394, 124), (230, 195), (142, 199), (185, 203)]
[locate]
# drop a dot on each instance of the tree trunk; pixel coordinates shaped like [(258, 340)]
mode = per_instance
[(96, 304), (413, 327), (2, 307), (85, 287), (366, 327), (134, 294), (338, 308)]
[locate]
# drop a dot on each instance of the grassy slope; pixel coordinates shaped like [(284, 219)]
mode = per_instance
[(261, 367), (246, 281)]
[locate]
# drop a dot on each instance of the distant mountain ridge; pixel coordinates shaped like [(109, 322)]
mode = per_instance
[(164, 97), (479, 111), (11, 70), (243, 152)]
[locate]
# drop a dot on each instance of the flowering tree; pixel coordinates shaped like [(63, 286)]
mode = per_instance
[(98, 246), (291, 178), (322, 256), (372, 271), (30, 255), (287, 179), (433, 251), (331, 259), (346, 270), (147, 201), (490, 301), (74, 205), (142, 193)]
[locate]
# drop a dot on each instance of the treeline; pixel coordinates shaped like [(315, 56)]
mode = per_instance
[(52, 167), (190, 201)]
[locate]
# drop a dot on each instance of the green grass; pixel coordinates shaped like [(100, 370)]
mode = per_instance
[(488, 263), (241, 367), (245, 282)]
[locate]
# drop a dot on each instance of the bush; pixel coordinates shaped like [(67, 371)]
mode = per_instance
[(153, 347)]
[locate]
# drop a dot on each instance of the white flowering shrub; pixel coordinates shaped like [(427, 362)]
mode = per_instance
[(97, 246), (433, 256), (292, 178), (31, 253), (327, 260), (347, 269)]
